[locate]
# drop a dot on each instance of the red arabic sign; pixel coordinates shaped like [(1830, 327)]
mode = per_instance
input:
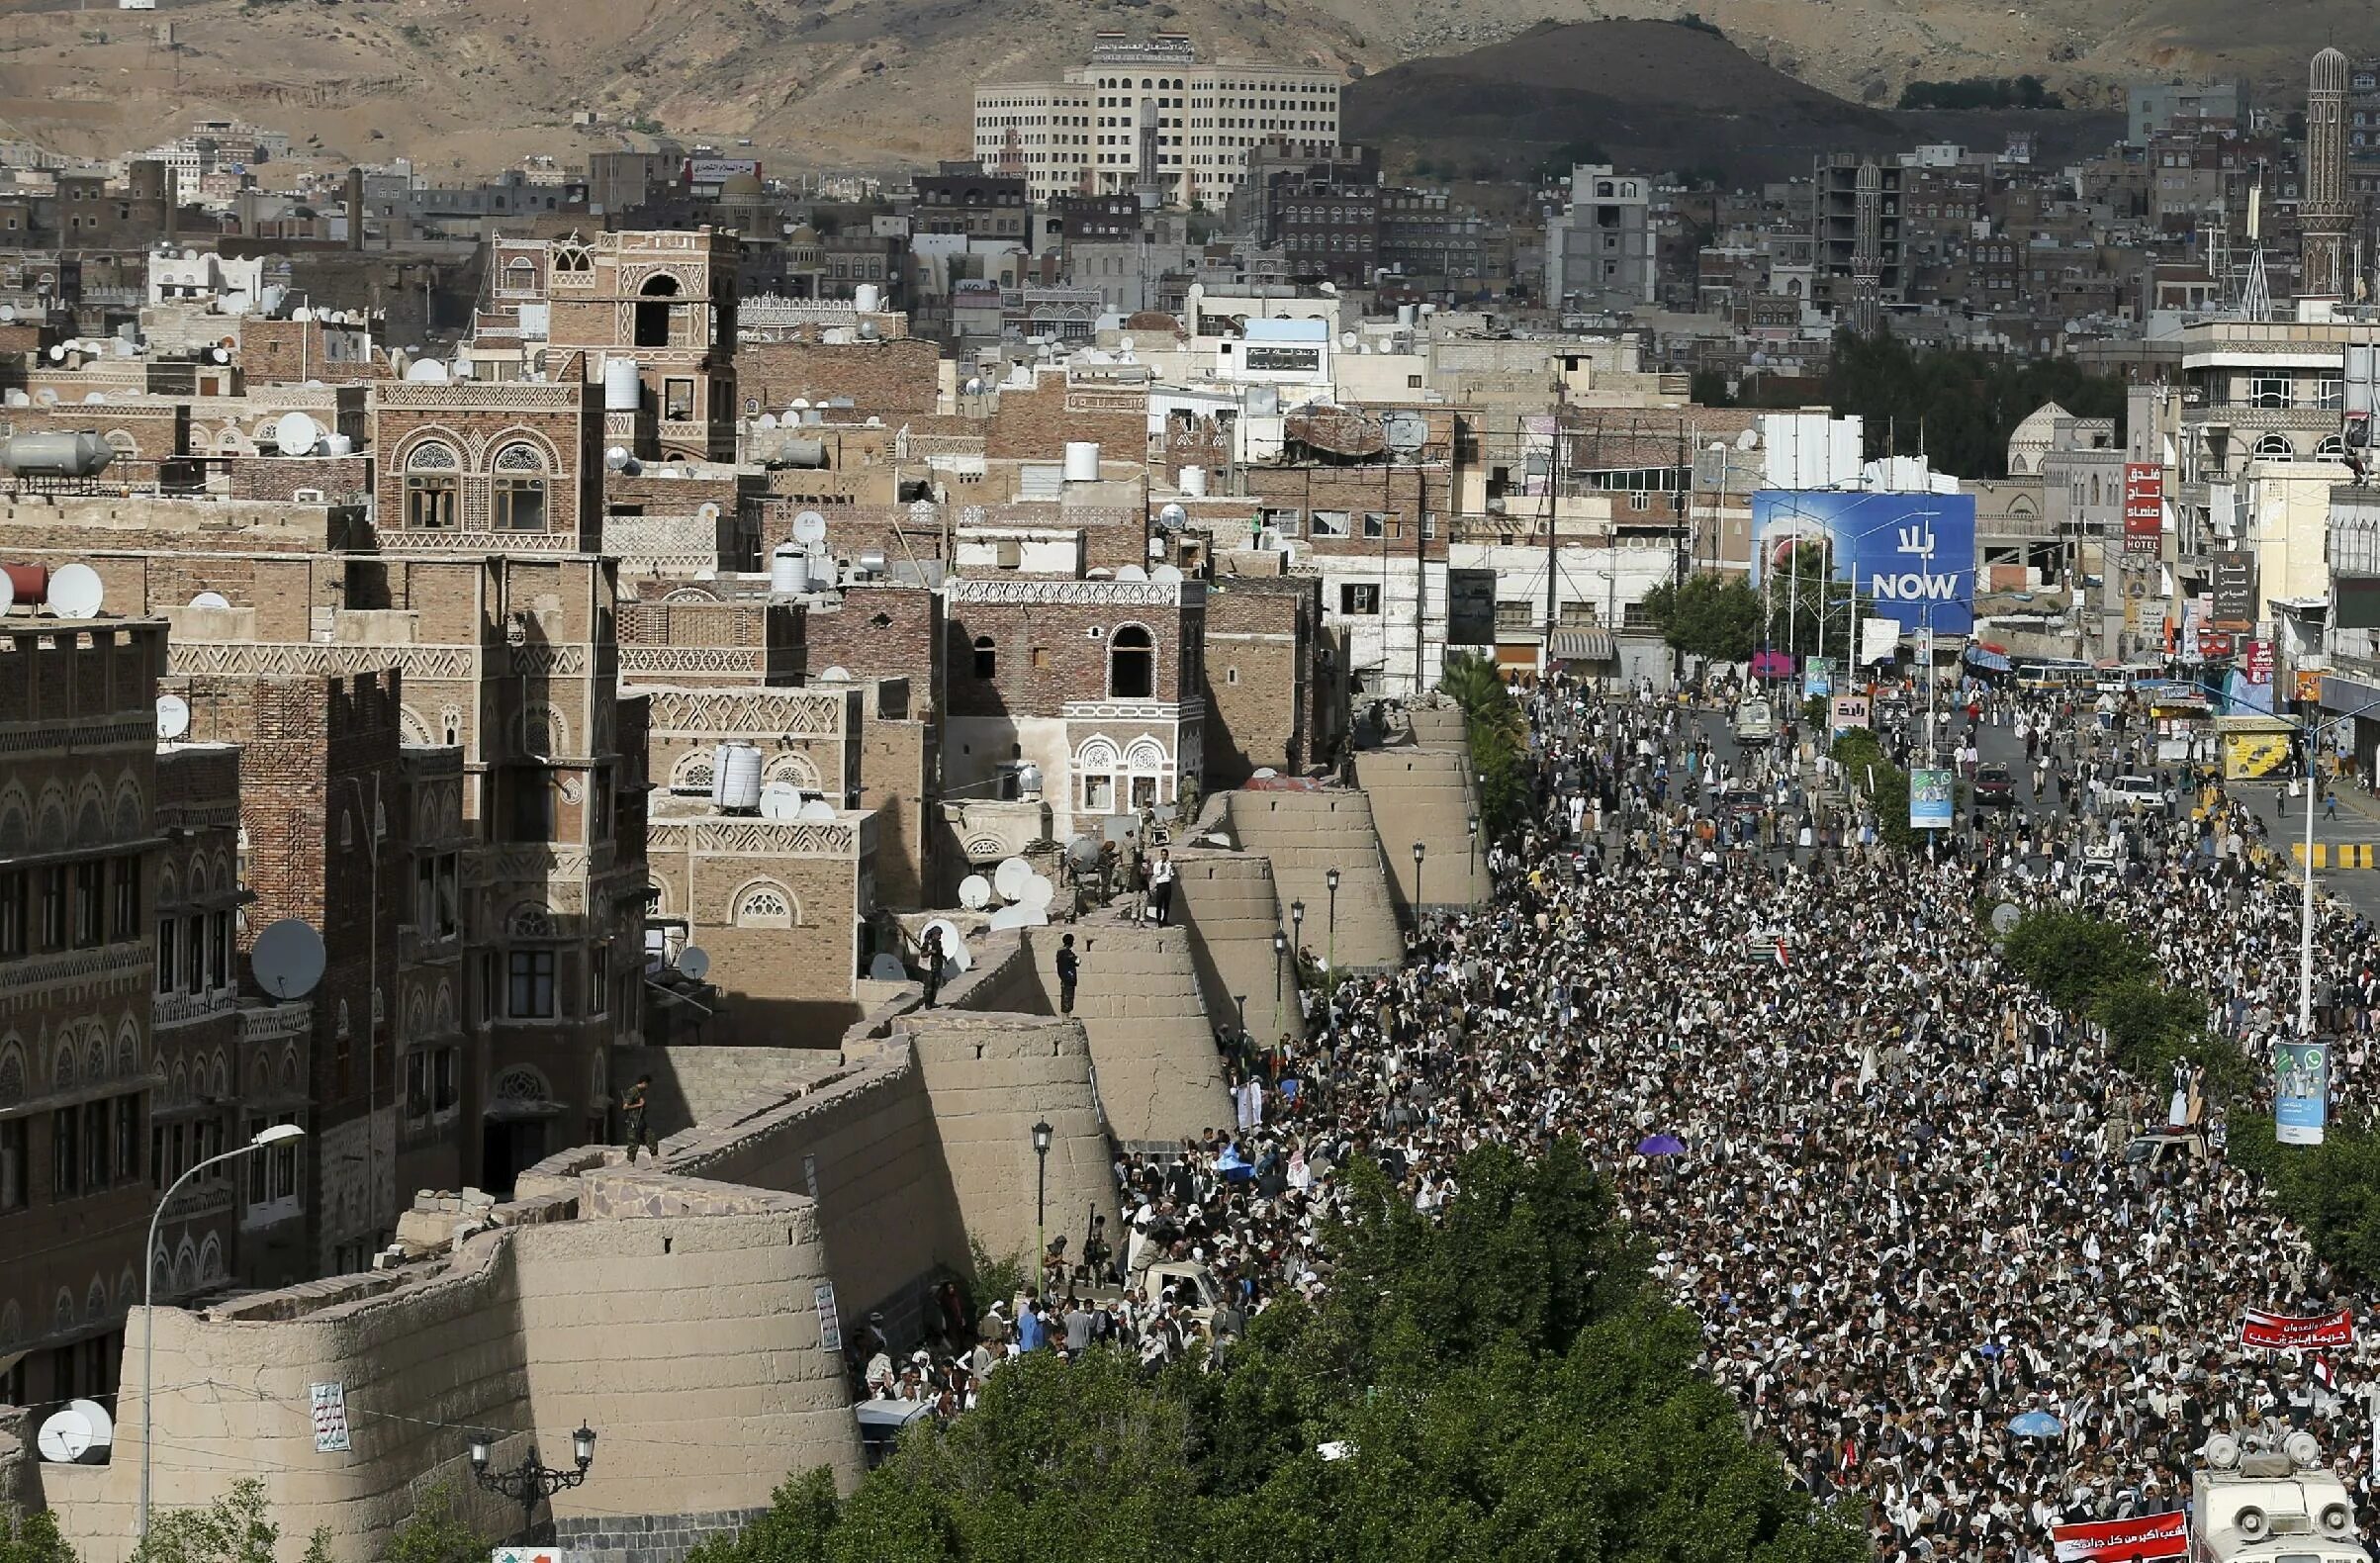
[(2259, 662), (2143, 506), (2121, 1541), (2289, 1333)]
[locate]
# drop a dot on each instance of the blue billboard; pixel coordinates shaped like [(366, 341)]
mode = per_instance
[(1912, 555), (2301, 1091)]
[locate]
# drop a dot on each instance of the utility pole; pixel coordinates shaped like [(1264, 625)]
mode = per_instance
[(1553, 483)]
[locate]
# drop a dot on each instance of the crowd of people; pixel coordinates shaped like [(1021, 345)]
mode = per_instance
[(1889, 1177)]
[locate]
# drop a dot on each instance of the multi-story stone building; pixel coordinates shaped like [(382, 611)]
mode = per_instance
[(79, 851)]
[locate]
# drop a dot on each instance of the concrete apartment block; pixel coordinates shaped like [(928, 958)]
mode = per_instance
[(1228, 902), (1307, 833), (1426, 795), (687, 1338), (1151, 1042)]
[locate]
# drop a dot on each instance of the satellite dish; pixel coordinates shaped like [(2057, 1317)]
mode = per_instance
[(211, 599), (1166, 575), (287, 960), (694, 961), (47, 397), (617, 457), (1007, 917), (92, 397), (1010, 877), (19, 399), (835, 674), (707, 513), (173, 716), (426, 371), (1265, 773), (76, 591), (975, 892), (300, 312), (780, 800), (2004, 917), (817, 810), (1082, 852), (8, 313), (1131, 573), (886, 968), (768, 421), (1039, 894), (1749, 439), (57, 352), (1031, 916), (1173, 518), (8, 592), (954, 946), (809, 528), (1405, 432), (79, 1435), (295, 433)]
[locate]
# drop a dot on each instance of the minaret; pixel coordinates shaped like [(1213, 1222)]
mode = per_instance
[(2325, 216)]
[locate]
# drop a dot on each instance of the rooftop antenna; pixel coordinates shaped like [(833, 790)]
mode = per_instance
[(2256, 299)]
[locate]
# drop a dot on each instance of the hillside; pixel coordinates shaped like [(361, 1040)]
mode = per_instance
[(473, 84), (1654, 96)]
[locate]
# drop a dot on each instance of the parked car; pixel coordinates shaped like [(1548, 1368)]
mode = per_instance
[(1994, 787)]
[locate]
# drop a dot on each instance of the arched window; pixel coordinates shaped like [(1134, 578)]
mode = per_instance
[(987, 657), (2332, 445), (431, 486), (763, 906), (2275, 445), (516, 494), (1131, 664), (653, 310), (520, 275)]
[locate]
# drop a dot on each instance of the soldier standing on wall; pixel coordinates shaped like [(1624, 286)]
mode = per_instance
[(1070, 967), (931, 953), (634, 1107)]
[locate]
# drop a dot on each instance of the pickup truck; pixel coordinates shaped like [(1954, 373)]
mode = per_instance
[(2135, 793)]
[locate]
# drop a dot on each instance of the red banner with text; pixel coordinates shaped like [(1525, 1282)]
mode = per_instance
[(2121, 1541), (2291, 1332), (2143, 506)]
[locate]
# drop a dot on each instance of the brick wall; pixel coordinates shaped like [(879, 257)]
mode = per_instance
[(879, 632), (883, 377), (278, 478), (291, 353), (156, 430), (1035, 425), (1043, 654), (1258, 643)]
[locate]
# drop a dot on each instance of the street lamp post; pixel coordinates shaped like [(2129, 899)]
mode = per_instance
[(1296, 937), (1418, 901), (1280, 948), (1041, 1192), (1331, 950), (529, 1481), (1470, 869), (272, 1134)]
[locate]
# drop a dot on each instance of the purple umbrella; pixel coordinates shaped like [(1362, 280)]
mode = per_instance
[(1662, 1145)]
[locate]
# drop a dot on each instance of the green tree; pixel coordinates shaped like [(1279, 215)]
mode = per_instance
[(237, 1527), (1498, 737), (2330, 1190), (32, 1538), (1956, 405), (2072, 959), (1707, 615), (435, 1533)]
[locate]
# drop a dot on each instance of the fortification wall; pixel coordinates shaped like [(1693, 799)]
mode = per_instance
[(669, 1315), (1139, 1005), (1426, 795), (1307, 833), (1228, 901)]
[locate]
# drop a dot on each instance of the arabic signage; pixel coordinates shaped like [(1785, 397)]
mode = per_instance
[(2143, 506), (2149, 1538), (329, 1418), (1850, 710), (2235, 589), (1286, 360), (2259, 662), (2294, 1333), (1911, 555), (718, 170)]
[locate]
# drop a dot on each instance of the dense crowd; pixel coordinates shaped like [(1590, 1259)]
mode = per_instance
[(1888, 1179)]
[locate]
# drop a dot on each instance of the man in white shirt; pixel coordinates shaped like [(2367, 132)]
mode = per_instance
[(1160, 886)]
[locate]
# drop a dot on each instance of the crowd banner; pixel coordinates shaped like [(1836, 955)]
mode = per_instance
[(2121, 1541), (2301, 1091), (2272, 1331)]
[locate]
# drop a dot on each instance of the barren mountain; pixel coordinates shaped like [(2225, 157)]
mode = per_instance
[(875, 83)]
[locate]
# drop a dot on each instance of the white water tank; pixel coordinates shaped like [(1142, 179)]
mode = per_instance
[(867, 298), (735, 777), (338, 444), (1404, 316), (1194, 482), (1082, 461), (623, 389), (789, 570)]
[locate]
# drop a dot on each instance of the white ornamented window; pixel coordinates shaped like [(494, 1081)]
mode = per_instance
[(763, 906)]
